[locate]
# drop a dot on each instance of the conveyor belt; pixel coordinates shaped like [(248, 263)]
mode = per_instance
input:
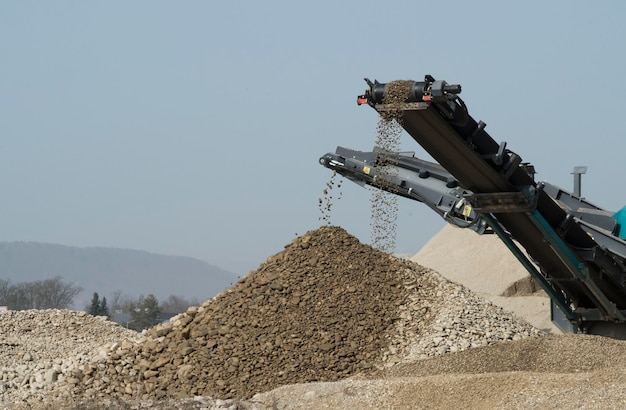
[(504, 187)]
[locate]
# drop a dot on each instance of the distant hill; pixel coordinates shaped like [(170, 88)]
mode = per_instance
[(106, 270)]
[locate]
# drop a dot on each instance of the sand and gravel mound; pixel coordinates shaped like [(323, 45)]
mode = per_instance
[(484, 265), (42, 348), (327, 323), (604, 389), (322, 309), (554, 372), (325, 308)]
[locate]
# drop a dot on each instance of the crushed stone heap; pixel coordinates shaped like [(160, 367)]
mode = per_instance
[(325, 308), (321, 310), (39, 348)]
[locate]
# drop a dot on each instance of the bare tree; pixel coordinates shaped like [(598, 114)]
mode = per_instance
[(118, 301), (5, 287), (16, 298), (55, 294), (41, 294)]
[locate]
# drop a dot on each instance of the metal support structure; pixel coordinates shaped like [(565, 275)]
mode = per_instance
[(557, 297), (578, 268), (578, 171)]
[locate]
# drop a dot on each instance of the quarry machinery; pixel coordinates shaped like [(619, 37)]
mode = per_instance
[(572, 248)]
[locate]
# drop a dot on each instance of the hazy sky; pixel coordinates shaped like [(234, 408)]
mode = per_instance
[(194, 128)]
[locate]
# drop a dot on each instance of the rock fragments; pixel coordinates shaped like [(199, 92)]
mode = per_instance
[(321, 310), (384, 204), (41, 349), (325, 308), (325, 203)]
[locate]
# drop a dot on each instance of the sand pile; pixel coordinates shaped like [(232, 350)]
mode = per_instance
[(554, 372)]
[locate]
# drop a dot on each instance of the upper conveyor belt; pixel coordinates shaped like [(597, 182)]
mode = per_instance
[(435, 117)]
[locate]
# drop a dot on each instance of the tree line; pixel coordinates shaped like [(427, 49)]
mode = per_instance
[(144, 311)]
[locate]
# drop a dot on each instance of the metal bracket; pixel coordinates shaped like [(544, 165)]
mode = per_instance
[(501, 202)]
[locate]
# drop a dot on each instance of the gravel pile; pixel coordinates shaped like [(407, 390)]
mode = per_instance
[(321, 310), (42, 348), (325, 308), (441, 317)]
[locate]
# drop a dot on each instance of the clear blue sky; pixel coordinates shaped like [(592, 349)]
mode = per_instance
[(194, 128)]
